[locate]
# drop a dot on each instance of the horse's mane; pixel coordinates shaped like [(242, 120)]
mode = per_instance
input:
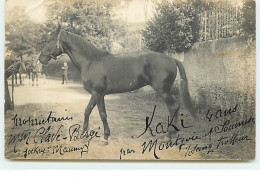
[(91, 51)]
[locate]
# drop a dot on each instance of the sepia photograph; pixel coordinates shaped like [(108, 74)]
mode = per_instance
[(130, 79)]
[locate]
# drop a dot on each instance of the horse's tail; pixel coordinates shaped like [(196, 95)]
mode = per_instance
[(184, 89)]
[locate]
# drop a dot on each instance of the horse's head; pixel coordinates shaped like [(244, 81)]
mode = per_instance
[(52, 48)]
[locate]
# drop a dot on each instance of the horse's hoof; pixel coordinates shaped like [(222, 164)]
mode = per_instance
[(105, 142)]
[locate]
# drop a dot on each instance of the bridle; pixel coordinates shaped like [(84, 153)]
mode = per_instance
[(58, 45)]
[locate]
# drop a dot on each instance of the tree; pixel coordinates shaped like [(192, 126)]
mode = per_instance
[(249, 18), (22, 34), (91, 19), (174, 27)]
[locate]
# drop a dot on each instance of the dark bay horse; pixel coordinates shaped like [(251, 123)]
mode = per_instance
[(103, 73)]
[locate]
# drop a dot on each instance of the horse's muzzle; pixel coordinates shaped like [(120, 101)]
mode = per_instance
[(44, 59)]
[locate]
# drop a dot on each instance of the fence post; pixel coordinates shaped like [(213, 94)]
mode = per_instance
[(219, 21), (216, 13), (205, 26)]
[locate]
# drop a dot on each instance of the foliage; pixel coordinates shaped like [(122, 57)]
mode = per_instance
[(91, 19), (174, 27), (249, 18), (22, 34)]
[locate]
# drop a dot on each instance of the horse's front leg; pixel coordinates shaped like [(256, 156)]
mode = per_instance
[(102, 112), (88, 110)]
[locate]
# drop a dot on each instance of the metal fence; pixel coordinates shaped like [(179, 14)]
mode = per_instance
[(220, 21)]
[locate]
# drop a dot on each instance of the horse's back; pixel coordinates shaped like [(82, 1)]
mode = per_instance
[(149, 63), (115, 74)]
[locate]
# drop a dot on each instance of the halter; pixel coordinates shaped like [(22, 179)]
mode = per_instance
[(58, 45)]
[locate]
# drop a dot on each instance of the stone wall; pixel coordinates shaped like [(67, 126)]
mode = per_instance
[(222, 72)]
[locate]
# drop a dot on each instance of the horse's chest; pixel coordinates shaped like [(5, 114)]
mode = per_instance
[(88, 85), (97, 84), (94, 79)]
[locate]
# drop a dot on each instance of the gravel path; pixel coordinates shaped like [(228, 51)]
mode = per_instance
[(126, 112)]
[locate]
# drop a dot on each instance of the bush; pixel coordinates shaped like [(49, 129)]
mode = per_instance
[(174, 27), (249, 18)]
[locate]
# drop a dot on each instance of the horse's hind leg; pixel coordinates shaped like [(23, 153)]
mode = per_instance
[(20, 77), (173, 108), (15, 75), (88, 110), (33, 77), (29, 75), (36, 79)]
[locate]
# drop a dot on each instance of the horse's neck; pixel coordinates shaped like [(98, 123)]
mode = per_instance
[(70, 49), (78, 54)]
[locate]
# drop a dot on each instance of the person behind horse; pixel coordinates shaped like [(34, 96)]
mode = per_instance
[(65, 73), (35, 71)]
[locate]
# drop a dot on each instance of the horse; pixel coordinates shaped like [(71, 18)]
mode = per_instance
[(29, 71), (33, 71), (19, 69), (103, 73), (10, 67)]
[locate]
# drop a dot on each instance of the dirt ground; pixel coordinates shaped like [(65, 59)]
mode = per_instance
[(126, 112)]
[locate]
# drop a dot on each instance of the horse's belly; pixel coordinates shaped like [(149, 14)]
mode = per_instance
[(125, 84), (123, 77)]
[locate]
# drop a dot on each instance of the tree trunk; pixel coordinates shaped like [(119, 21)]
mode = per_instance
[(8, 103)]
